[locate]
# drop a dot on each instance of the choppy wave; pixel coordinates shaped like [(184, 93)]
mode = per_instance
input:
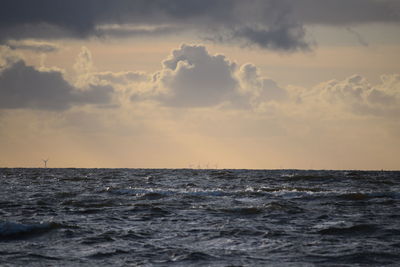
[(145, 217), (350, 230), (10, 230)]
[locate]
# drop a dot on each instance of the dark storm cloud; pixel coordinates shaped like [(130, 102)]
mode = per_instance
[(285, 38), (272, 24), (79, 18), (346, 12), (23, 86)]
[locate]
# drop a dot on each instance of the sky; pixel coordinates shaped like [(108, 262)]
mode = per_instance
[(255, 84)]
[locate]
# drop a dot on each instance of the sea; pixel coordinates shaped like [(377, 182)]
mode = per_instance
[(190, 217)]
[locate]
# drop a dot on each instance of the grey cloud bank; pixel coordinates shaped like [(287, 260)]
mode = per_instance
[(23, 86), (346, 12), (269, 24), (190, 77)]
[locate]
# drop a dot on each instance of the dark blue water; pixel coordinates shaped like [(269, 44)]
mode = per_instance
[(150, 217)]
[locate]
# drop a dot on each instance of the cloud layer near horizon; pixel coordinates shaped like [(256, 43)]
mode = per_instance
[(269, 24), (200, 106), (191, 78)]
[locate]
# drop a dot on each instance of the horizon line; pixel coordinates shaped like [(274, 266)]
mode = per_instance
[(205, 169)]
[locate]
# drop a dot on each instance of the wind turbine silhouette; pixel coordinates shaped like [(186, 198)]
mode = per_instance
[(45, 162)]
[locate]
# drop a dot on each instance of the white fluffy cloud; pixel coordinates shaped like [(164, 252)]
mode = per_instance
[(357, 95), (191, 77), (259, 88)]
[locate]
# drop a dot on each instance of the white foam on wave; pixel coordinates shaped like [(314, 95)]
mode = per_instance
[(330, 224), (287, 193), (140, 191), (168, 191)]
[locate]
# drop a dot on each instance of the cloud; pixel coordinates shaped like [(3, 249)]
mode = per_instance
[(36, 46), (132, 30), (269, 24), (346, 12), (192, 77), (217, 20), (84, 62), (243, 114), (358, 36), (123, 77), (288, 37), (7, 56), (259, 88), (87, 76), (23, 86), (357, 95)]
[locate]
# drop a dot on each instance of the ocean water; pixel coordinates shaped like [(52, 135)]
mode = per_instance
[(185, 217)]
